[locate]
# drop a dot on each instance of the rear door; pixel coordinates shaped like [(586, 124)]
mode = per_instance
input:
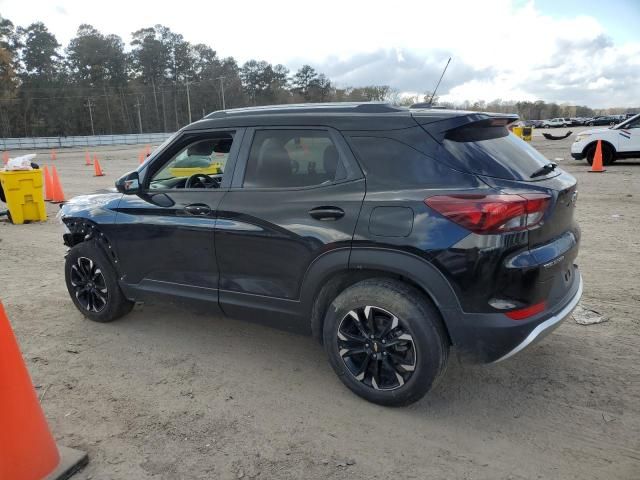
[(296, 195)]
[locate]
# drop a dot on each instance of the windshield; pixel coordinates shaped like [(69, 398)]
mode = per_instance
[(633, 122), (164, 144)]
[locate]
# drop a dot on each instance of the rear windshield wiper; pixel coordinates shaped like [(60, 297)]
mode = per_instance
[(549, 167)]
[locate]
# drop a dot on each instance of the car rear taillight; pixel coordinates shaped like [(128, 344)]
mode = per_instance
[(527, 312), (486, 214)]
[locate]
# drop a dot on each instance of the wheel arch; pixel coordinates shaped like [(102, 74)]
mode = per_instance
[(595, 142), (82, 230), (323, 284)]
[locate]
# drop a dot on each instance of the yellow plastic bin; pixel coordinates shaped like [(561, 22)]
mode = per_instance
[(517, 131), (525, 133), (23, 191)]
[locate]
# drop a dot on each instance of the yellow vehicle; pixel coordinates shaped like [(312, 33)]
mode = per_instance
[(207, 158), (212, 169)]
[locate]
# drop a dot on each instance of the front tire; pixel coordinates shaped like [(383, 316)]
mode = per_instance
[(92, 282), (608, 155), (385, 341)]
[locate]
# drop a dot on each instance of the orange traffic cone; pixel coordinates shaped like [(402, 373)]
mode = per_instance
[(87, 158), (98, 170), (28, 451), (58, 193), (148, 151), (5, 157), (54, 155), (48, 185), (596, 165)]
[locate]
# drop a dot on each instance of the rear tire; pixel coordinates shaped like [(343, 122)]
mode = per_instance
[(92, 282), (608, 154), (385, 341)]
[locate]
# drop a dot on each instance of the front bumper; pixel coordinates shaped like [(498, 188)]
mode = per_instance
[(578, 155)]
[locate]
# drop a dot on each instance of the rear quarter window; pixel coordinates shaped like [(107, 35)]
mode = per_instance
[(494, 152), (391, 163)]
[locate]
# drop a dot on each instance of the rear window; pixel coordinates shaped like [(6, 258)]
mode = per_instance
[(494, 152)]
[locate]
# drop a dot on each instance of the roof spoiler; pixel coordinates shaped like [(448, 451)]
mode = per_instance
[(438, 128)]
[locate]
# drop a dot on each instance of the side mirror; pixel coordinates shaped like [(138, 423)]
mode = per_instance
[(129, 184)]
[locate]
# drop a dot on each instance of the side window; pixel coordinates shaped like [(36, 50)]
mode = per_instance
[(206, 157), (392, 163), (292, 158)]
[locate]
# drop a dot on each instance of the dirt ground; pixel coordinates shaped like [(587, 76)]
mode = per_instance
[(168, 394)]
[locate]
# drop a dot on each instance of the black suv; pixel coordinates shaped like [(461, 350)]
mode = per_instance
[(389, 234)]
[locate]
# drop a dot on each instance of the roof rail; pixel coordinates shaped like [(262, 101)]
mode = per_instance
[(334, 107), (427, 105)]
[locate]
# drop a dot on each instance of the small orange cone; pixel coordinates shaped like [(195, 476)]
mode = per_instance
[(48, 185), (98, 170), (54, 155), (58, 193), (5, 157), (28, 451), (87, 158), (141, 157), (596, 165), (148, 151)]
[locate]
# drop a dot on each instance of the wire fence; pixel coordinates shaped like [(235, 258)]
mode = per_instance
[(30, 143)]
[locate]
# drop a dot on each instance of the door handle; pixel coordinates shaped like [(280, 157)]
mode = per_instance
[(198, 209), (326, 213)]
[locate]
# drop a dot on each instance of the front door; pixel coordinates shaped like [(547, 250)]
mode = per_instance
[(296, 195), (629, 137), (166, 234)]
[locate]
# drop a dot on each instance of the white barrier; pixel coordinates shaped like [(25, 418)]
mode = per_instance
[(28, 143)]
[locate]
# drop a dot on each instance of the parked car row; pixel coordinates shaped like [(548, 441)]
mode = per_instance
[(609, 120), (604, 120)]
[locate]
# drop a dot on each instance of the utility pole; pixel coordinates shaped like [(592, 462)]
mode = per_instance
[(175, 105), (90, 105), (164, 111), (106, 101), (188, 101), (221, 78), (137, 105), (155, 99)]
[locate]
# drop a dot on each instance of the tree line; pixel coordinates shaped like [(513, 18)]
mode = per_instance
[(159, 83)]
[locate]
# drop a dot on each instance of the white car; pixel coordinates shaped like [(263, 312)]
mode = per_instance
[(619, 141), (556, 122)]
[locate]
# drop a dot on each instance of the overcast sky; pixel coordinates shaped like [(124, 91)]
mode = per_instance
[(581, 52)]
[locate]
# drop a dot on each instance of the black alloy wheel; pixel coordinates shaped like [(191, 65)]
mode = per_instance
[(89, 285), (376, 348)]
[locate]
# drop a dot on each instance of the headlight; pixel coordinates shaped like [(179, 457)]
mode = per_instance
[(59, 217), (581, 137)]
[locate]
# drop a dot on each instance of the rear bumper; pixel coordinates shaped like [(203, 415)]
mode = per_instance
[(493, 337), (578, 155), (548, 325)]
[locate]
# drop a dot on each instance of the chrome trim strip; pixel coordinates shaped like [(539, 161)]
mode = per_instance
[(549, 323)]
